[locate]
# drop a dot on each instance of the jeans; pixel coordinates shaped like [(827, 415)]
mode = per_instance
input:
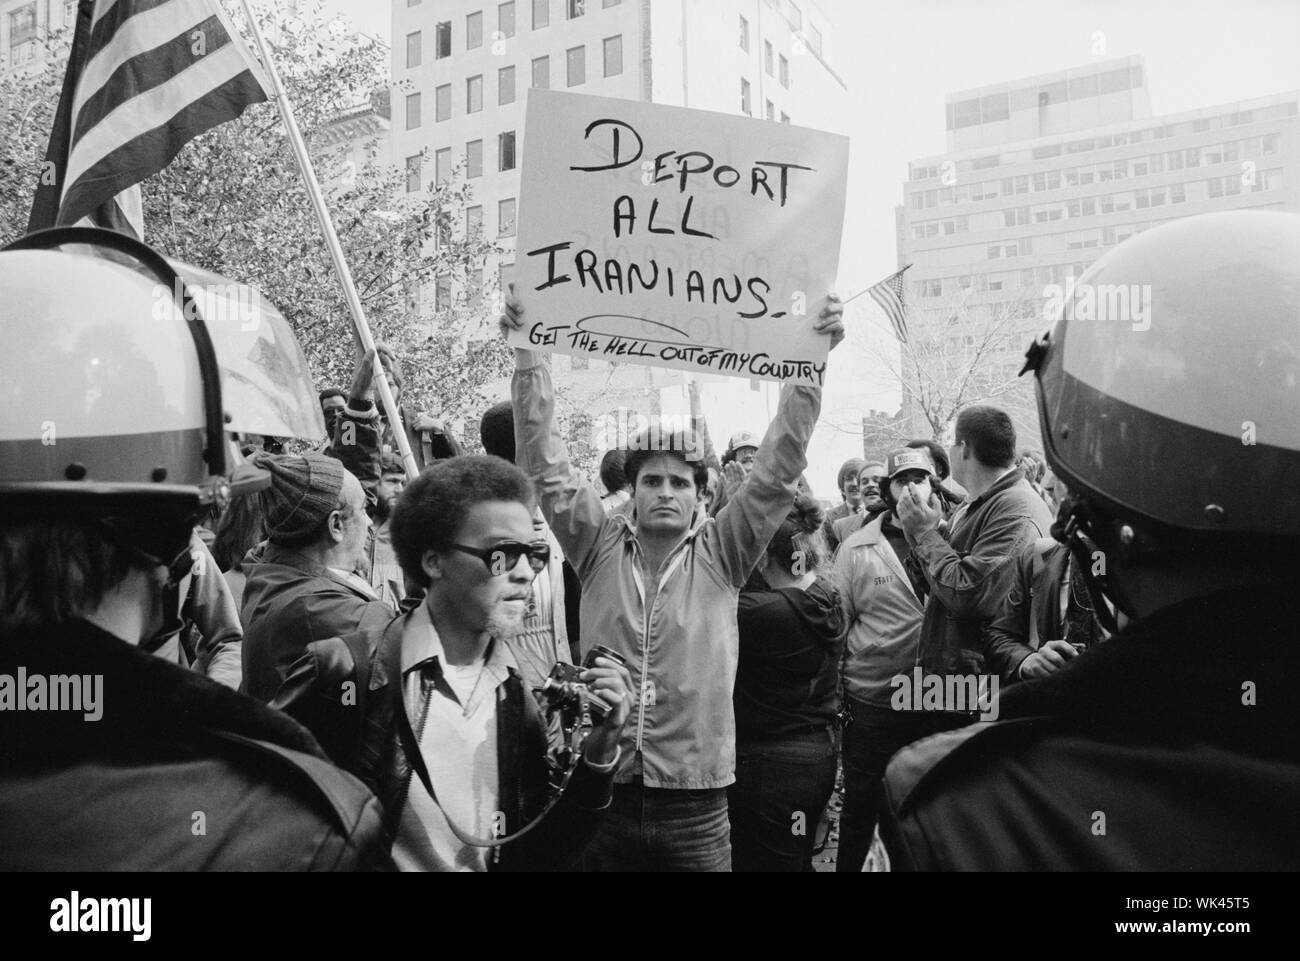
[(662, 829), (780, 790), (873, 736)]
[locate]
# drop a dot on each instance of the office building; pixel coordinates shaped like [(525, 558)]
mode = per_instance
[(463, 69), (1043, 175)]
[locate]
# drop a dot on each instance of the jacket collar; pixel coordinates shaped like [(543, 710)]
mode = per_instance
[(1003, 483), (289, 558)]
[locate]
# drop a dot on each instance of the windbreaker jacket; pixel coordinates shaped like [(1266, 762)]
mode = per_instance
[(682, 652), (884, 615)]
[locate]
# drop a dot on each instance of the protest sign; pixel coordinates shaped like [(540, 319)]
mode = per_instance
[(677, 238)]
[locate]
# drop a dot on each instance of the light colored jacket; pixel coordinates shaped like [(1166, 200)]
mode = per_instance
[(682, 653), (884, 615)]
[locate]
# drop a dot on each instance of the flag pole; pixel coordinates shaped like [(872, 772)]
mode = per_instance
[(332, 242)]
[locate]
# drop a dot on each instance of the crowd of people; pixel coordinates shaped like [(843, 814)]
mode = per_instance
[(504, 664)]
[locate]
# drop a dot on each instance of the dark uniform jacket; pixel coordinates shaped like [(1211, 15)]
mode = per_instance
[(361, 731), (1175, 746), (177, 773)]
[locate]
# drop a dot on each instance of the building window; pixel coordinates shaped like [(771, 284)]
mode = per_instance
[(474, 30), (413, 174), (506, 217), (1113, 81), (995, 107), (744, 35), (575, 8), (442, 103), (767, 57), (796, 17), (576, 66), (442, 165), (506, 150), (744, 98), (613, 56), (412, 111), (541, 14), (442, 293), (966, 113), (473, 222), (542, 73), (769, 111), (443, 41), (474, 94), (1083, 87), (815, 39), (785, 118), (784, 71), (506, 85), (506, 18), (412, 50), (474, 159)]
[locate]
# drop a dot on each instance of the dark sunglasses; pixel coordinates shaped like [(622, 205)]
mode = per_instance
[(502, 558)]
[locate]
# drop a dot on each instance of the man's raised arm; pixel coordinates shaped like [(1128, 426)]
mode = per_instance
[(569, 502), (748, 522)]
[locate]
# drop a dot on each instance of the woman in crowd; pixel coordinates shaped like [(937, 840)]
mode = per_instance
[(791, 637)]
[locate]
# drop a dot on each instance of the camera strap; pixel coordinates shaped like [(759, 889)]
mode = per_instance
[(411, 746)]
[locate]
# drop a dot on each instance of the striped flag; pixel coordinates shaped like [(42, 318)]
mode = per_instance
[(889, 295), (145, 78)]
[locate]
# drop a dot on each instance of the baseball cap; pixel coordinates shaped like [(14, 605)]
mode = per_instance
[(742, 439), (909, 458)]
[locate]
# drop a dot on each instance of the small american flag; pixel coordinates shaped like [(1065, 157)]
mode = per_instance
[(145, 77), (889, 295)]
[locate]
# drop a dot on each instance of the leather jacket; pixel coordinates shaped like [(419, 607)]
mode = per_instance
[(359, 728)]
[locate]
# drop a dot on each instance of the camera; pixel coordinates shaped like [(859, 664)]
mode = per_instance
[(563, 689)]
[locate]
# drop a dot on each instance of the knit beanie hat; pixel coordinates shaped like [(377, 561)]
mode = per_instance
[(303, 492)]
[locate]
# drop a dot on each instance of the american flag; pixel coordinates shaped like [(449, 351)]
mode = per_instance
[(145, 78), (889, 295)]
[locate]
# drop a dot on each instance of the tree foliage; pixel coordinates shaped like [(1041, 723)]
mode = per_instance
[(233, 201)]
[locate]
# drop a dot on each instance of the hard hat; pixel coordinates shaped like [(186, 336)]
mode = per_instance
[(110, 400), (1169, 388)]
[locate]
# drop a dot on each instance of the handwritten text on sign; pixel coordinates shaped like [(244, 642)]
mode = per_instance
[(677, 238)]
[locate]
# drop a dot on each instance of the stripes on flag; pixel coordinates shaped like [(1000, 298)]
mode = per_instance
[(889, 295), (145, 77)]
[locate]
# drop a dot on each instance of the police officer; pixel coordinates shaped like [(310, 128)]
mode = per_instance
[(1176, 746), (111, 447)]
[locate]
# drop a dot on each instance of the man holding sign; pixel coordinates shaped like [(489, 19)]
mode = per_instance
[(699, 241), (663, 593)]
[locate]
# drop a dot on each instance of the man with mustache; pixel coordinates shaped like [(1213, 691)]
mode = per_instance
[(871, 476), (432, 711)]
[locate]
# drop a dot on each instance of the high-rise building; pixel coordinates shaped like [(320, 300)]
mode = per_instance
[(463, 69), (1043, 175)]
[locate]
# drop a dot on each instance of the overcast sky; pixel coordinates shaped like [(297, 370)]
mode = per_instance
[(900, 57)]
